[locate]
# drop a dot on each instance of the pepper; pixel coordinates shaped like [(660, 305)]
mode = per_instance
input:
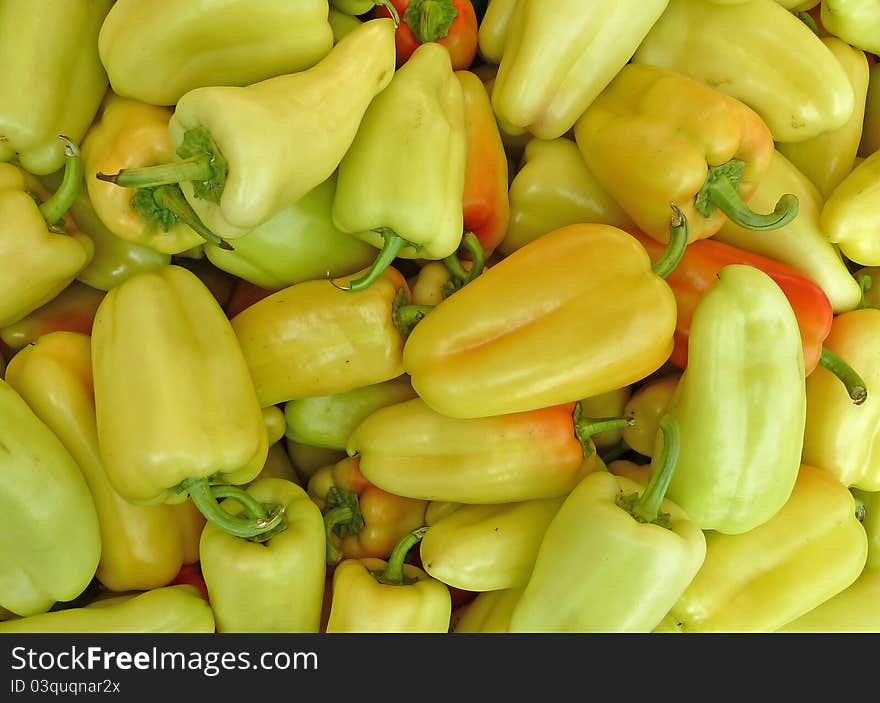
[(171, 609), (494, 28), (702, 151), (827, 158), (744, 334), (490, 611), (244, 154), (856, 22), (487, 547), (616, 556), (52, 540), (554, 188), (609, 404), (329, 420), (646, 407), (474, 354), (557, 61), (300, 243), (372, 595), (850, 217), (142, 547), (802, 243), (812, 548), (361, 520), (55, 90), (244, 294), (270, 586), (158, 54), (868, 512), (839, 437), (308, 459), (276, 424), (42, 259), (401, 184), (871, 127), (280, 465), (787, 75), (343, 23)]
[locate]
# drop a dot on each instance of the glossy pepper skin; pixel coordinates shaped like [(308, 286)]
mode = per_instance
[(787, 75), (142, 547), (856, 22), (494, 28), (56, 90), (655, 137), (802, 243), (850, 216), (740, 452), (377, 520), (646, 406), (475, 355), (181, 405), (170, 609), (52, 540), (272, 586), (757, 581), (840, 437), (315, 338), (553, 188), (697, 272), (157, 55), (555, 63), (490, 611)]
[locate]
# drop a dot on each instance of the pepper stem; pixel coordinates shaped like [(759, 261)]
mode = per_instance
[(855, 386), (647, 507), (865, 284), (678, 240), (337, 516), (342, 517), (393, 245), (460, 275), (720, 190), (170, 197), (54, 208), (258, 529), (430, 20), (388, 5), (392, 574), (861, 510), (405, 315), (195, 168), (585, 428), (252, 507)]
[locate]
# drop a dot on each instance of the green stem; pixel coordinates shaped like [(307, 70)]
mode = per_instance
[(584, 428), (405, 315), (471, 244), (257, 529), (456, 268), (252, 507), (62, 200), (861, 510), (865, 284), (855, 386), (647, 507), (393, 245), (460, 276), (678, 240), (170, 197), (337, 516), (195, 168), (392, 574), (430, 20), (388, 5)]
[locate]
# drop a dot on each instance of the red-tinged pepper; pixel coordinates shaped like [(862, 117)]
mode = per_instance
[(191, 574)]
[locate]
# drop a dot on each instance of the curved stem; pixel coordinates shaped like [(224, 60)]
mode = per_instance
[(405, 315), (337, 516), (678, 240), (392, 574), (171, 198), (647, 507), (471, 243), (585, 428), (865, 283), (394, 243), (855, 386), (195, 168), (388, 5), (201, 494), (252, 507), (456, 268), (62, 200)]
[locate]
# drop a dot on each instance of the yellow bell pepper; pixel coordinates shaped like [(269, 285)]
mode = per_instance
[(494, 28), (850, 217), (857, 22)]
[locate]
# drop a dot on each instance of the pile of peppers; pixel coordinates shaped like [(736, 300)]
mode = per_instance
[(440, 316)]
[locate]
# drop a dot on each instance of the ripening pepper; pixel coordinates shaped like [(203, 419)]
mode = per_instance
[(850, 217), (856, 22), (554, 188), (827, 158), (51, 78), (655, 137), (615, 557), (557, 60), (360, 519), (487, 547), (801, 243), (176, 408), (329, 420), (494, 28), (812, 548), (276, 585), (244, 154), (490, 611), (400, 185), (178, 609), (300, 243), (476, 354), (871, 126), (646, 407), (372, 595), (142, 547), (158, 54), (740, 403), (787, 75), (51, 537)]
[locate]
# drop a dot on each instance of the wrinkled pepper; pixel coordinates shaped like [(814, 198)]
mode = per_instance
[(655, 137), (557, 60), (850, 217), (142, 547), (490, 611), (361, 520), (53, 90), (158, 54), (787, 75), (270, 586), (856, 22), (494, 28), (871, 126), (372, 595), (401, 184), (244, 154)]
